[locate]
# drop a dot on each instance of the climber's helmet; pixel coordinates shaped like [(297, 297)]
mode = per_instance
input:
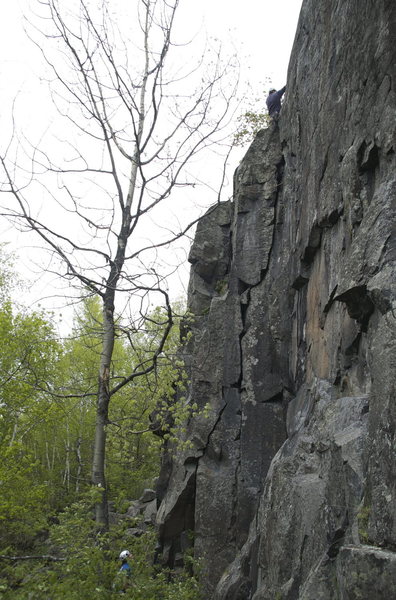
[(124, 554), (272, 90)]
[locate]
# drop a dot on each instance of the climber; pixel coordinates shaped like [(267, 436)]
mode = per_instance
[(124, 574), (274, 102)]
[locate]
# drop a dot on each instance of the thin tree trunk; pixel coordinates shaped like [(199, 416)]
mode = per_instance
[(66, 478), (102, 410), (14, 432), (53, 458), (79, 464), (47, 455)]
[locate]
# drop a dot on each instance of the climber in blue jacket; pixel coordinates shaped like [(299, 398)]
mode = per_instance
[(274, 102)]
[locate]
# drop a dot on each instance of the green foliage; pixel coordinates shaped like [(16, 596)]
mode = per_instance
[(152, 402), (249, 124), (254, 118), (28, 357), (90, 565), (221, 286), (363, 521), (22, 499), (48, 408), (47, 416), (28, 354)]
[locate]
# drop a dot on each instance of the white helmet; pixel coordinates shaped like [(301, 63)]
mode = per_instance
[(124, 554)]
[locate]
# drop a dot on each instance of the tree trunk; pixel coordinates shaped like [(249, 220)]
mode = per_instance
[(66, 478), (102, 411), (79, 464)]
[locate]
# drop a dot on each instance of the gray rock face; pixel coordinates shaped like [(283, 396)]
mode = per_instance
[(289, 481)]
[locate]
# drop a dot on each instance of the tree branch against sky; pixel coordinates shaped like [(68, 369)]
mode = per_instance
[(97, 189)]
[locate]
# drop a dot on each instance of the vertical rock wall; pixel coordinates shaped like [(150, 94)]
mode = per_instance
[(289, 481)]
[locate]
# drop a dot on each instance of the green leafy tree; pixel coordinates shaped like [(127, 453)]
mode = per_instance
[(28, 356)]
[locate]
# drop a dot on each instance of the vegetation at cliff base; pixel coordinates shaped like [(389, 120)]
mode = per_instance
[(84, 564), (47, 418)]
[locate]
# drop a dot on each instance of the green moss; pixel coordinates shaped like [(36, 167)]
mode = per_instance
[(363, 520), (221, 286)]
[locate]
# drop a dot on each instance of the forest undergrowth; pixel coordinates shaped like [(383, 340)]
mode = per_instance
[(51, 546)]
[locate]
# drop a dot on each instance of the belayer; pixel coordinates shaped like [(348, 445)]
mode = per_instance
[(124, 575), (274, 102)]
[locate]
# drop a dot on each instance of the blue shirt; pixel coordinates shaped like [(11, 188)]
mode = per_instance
[(274, 101), (127, 568)]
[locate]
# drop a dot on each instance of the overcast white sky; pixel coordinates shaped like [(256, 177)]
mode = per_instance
[(262, 32), (261, 29)]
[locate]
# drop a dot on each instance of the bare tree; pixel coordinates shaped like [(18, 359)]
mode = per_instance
[(135, 119)]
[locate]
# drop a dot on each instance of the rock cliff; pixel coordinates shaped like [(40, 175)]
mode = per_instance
[(289, 483)]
